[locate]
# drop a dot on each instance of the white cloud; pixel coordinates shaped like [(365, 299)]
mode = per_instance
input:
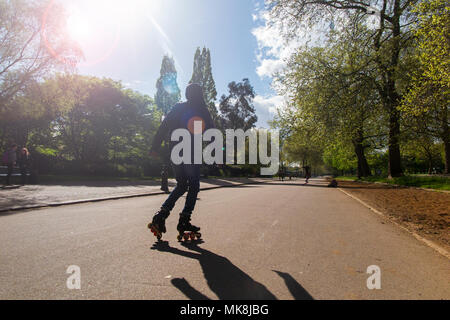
[(269, 67), (268, 104), (273, 49)]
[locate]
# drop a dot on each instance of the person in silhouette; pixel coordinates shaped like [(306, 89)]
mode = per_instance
[(182, 116), (307, 173)]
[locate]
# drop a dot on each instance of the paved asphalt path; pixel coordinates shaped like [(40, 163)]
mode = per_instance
[(266, 241)]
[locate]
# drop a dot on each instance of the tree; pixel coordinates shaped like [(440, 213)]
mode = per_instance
[(168, 92), (202, 75), (429, 93), (340, 156), (198, 70), (31, 46), (332, 91), (89, 125), (389, 39), (422, 150), (237, 107)]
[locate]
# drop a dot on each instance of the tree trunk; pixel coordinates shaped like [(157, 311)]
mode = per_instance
[(430, 162), (447, 156), (446, 139), (388, 92), (363, 169), (395, 162)]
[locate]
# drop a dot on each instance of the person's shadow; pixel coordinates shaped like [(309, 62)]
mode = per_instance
[(226, 280)]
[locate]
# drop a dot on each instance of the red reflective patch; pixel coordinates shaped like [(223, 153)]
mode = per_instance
[(191, 123)]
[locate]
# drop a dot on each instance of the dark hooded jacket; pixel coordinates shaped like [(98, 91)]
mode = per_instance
[(179, 116)]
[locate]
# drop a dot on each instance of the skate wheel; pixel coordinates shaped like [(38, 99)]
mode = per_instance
[(179, 237), (186, 236), (192, 236), (198, 235)]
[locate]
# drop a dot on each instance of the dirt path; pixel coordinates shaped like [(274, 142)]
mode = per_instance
[(424, 212)]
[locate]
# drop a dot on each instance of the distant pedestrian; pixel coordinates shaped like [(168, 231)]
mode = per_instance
[(9, 159), (282, 173), (307, 173), (23, 162)]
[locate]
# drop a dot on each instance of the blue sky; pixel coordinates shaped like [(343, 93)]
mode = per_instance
[(149, 29)]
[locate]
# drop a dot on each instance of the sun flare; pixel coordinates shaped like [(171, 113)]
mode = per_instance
[(97, 25), (78, 27)]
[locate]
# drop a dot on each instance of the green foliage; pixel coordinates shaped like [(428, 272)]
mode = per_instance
[(85, 125), (426, 104), (334, 109), (419, 181), (340, 156), (430, 85), (46, 151), (351, 84), (388, 38), (237, 108)]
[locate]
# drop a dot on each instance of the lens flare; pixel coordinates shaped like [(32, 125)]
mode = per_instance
[(169, 82), (191, 125), (93, 27)]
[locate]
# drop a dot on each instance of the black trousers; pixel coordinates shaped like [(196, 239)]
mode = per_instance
[(23, 175), (9, 173), (188, 179)]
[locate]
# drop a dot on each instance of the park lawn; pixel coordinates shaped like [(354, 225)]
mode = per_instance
[(420, 181)]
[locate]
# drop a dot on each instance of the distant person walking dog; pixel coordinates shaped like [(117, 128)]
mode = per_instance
[(187, 176), (9, 158)]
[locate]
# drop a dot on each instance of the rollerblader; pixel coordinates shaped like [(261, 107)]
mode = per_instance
[(187, 175)]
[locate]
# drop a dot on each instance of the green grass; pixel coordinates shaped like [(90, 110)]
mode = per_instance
[(421, 181)]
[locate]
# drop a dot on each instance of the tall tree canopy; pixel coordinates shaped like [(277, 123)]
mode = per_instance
[(84, 124), (168, 92), (237, 108), (427, 100), (202, 75), (390, 37), (333, 96)]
